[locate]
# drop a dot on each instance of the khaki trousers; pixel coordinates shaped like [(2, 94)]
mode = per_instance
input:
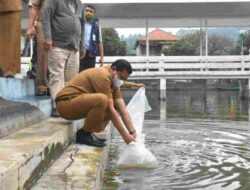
[(93, 107), (63, 65), (10, 42), (42, 59)]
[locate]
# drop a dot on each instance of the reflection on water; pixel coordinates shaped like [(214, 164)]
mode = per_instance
[(213, 104), (200, 139), (207, 104)]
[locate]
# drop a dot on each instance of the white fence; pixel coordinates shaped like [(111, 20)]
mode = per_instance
[(188, 67), (184, 67)]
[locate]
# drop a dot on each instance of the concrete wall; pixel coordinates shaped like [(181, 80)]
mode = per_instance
[(11, 88)]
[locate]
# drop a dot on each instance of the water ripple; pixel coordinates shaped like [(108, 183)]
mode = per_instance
[(192, 154)]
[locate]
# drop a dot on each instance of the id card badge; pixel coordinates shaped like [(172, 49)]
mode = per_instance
[(94, 37)]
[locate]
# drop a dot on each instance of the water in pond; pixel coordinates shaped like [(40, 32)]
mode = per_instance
[(200, 138)]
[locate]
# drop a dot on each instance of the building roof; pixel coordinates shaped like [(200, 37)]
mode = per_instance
[(158, 1), (159, 35), (171, 13)]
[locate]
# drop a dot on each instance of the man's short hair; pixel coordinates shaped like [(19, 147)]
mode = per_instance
[(121, 65), (90, 6)]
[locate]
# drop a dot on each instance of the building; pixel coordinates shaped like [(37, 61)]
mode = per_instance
[(158, 40)]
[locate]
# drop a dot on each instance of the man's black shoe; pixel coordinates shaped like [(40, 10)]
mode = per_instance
[(97, 138), (81, 131), (83, 137), (54, 113), (9, 76), (41, 93)]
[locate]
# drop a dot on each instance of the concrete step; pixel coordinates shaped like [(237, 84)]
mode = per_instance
[(12, 88), (17, 115), (43, 103), (26, 153), (80, 167), (23, 90)]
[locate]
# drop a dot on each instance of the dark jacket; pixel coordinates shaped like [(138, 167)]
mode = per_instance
[(94, 37), (60, 25)]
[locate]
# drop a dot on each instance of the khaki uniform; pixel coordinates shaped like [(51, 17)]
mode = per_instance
[(86, 96), (42, 55), (10, 36)]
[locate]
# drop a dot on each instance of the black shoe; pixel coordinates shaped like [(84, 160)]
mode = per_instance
[(96, 137), (41, 93), (83, 137), (48, 92), (31, 74), (9, 76), (54, 113)]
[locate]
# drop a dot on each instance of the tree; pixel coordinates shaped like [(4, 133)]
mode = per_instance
[(181, 47), (130, 41), (112, 44), (220, 45), (246, 44), (123, 48), (231, 32), (190, 45)]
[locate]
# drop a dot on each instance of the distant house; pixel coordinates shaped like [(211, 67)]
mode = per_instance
[(158, 40)]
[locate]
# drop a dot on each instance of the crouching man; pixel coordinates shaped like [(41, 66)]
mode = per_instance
[(95, 94)]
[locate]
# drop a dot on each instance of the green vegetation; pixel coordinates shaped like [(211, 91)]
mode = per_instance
[(218, 44), (112, 44), (131, 40), (221, 41)]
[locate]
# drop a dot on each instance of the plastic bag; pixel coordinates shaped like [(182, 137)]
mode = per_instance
[(135, 154)]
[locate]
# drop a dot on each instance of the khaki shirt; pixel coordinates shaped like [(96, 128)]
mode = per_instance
[(40, 5), (95, 80), (10, 5)]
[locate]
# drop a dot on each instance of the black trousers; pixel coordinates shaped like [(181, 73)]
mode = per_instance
[(87, 62), (34, 56)]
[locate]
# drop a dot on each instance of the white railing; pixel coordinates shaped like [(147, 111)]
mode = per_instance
[(184, 67)]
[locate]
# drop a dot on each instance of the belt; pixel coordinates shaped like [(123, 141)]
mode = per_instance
[(63, 98)]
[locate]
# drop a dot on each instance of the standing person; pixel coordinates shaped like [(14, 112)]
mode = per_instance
[(61, 22), (10, 37), (93, 94), (92, 39), (41, 66)]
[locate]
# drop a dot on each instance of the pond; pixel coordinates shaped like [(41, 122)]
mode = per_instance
[(200, 138)]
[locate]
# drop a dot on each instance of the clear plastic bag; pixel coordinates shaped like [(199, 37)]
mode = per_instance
[(135, 154)]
